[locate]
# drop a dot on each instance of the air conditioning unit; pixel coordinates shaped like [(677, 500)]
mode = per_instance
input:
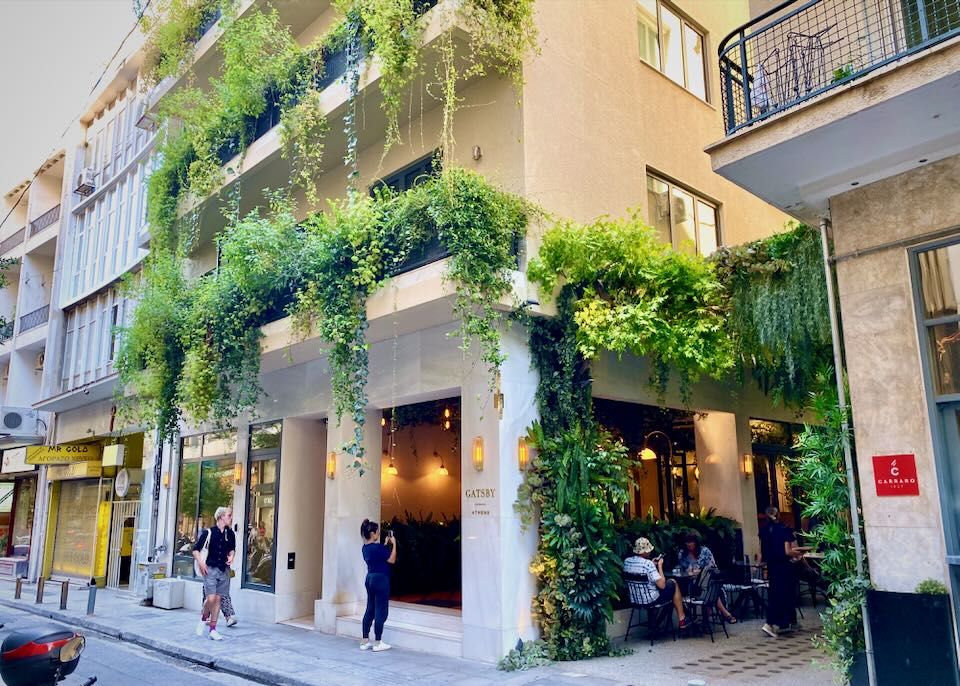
[(18, 421), (41, 358), (85, 182)]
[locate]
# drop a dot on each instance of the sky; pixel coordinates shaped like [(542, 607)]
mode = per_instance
[(51, 53)]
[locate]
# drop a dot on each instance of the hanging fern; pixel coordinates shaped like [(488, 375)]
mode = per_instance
[(777, 312)]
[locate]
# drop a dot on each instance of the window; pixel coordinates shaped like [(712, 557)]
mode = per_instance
[(672, 45), (681, 218), (206, 483), (411, 175), (89, 342), (263, 470)]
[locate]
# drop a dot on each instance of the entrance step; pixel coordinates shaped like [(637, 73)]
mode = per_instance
[(305, 622), (436, 630)]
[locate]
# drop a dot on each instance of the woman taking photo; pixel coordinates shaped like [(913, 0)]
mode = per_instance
[(379, 557)]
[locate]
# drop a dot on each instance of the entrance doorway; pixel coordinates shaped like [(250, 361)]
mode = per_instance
[(772, 446), (75, 541), (420, 500), (123, 524)]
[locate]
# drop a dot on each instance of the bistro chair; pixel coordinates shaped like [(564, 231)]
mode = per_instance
[(704, 607), (742, 590), (657, 613)]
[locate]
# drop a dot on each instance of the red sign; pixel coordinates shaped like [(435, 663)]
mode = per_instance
[(895, 475)]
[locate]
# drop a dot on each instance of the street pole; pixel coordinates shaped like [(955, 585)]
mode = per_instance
[(847, 453)]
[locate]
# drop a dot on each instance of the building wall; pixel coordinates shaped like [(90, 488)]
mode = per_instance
[(883, 361), (622, 117)]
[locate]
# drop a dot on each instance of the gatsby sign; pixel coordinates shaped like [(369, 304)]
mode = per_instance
[(895, 475), (63, 454)]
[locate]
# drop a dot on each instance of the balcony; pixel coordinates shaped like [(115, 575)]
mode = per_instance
[(32, 320), (11, 242), (823, 95), (6, 332), (45, 220)]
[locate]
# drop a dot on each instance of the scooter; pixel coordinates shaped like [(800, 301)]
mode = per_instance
[(41, 656)]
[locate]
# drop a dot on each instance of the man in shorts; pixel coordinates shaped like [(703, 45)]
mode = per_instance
[(215, 570)]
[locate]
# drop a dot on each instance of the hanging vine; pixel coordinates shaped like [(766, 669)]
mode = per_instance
[(777, 311)]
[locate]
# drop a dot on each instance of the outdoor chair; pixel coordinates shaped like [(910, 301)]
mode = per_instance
[(704, 607), (657, 613), (743, 590)]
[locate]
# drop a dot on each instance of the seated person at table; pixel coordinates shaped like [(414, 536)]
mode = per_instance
[(693, 559), (657, 589)]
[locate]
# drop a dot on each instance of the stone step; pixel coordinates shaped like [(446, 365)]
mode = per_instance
[(420, 636)]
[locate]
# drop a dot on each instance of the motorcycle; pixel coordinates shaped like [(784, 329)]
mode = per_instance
[(41, 656)]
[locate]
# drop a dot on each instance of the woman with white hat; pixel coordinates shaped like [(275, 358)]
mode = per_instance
[(658, 588)]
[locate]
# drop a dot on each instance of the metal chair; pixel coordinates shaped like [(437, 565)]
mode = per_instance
[(657, 611), (710, 582), (743, 590)]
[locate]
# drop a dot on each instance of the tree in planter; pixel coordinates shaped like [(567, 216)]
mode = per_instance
[(819, 471)]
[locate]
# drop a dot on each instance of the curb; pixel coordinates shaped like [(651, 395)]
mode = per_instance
[(223, 665)]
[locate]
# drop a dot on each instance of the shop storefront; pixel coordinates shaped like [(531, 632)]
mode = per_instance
[(263, 469), (18, 498)]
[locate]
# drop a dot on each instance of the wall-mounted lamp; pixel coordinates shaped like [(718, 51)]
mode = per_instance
[(237, 473), (477, 453), (446, 413), (523, 454), (696, 473), (442, 471), (166, 480), (383, 421), (747, 463), (331, 464), (446, 424), (476, 153)]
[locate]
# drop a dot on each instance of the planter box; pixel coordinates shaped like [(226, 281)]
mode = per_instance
[(913, 639)]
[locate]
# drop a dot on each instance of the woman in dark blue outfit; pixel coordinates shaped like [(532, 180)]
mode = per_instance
[(379, 557)]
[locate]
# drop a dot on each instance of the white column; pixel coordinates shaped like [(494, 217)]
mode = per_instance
[(722, 439), (497, 584), (350, 498)]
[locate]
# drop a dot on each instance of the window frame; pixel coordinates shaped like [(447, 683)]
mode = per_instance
[(199, 461), (685, 23), (698, 198), (261, 455)]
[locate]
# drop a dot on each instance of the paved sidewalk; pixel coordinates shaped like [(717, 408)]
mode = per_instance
[(276, 653), (279, 654)]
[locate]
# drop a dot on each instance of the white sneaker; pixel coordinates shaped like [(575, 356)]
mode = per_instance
[(365, 645), (215, 635), (232, 620), (381, 646), (201, 627), (769, 630)]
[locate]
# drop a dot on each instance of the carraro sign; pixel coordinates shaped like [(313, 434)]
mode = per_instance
[(895, 475), (63, 454)]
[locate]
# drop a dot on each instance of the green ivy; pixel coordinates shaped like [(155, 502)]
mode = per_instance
[(777, 313), (576, 484), (638, 295), (172, 30)]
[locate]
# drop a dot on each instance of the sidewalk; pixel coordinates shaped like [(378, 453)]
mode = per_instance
[(279, 654), (275, 653)]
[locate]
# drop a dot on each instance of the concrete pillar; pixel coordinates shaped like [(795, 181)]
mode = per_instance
[(349, 499), (722, 439), (496, 555)]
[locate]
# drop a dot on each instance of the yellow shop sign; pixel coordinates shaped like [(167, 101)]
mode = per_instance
[(63, 454)]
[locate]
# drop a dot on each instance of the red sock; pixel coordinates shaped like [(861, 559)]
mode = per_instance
[(213, 625)]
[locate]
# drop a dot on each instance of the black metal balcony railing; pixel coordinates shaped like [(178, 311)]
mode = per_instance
[(13, 241), (46, 219), (802, 48), (32, 320), (6, 332)]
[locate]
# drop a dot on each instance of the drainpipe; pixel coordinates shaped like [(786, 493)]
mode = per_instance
[(847, 455)]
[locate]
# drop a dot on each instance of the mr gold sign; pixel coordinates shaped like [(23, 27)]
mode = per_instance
[(63, 454)]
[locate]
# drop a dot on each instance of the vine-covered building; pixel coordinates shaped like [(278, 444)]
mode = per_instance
[(618, 101)]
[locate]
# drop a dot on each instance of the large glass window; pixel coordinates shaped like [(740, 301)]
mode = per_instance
[(939, 288), (671, 44), (23, 510), (681, 218), (206, 483), (263, 471)]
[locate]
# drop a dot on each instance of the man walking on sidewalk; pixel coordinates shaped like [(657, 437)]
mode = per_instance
[(213, 553)]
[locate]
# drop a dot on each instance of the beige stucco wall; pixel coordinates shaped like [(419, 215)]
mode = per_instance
[(596, 117), (883, 361)]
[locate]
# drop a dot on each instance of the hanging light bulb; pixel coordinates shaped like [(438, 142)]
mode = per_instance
[(391, 469), (383, 421), (446, 413), (442, 471)]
